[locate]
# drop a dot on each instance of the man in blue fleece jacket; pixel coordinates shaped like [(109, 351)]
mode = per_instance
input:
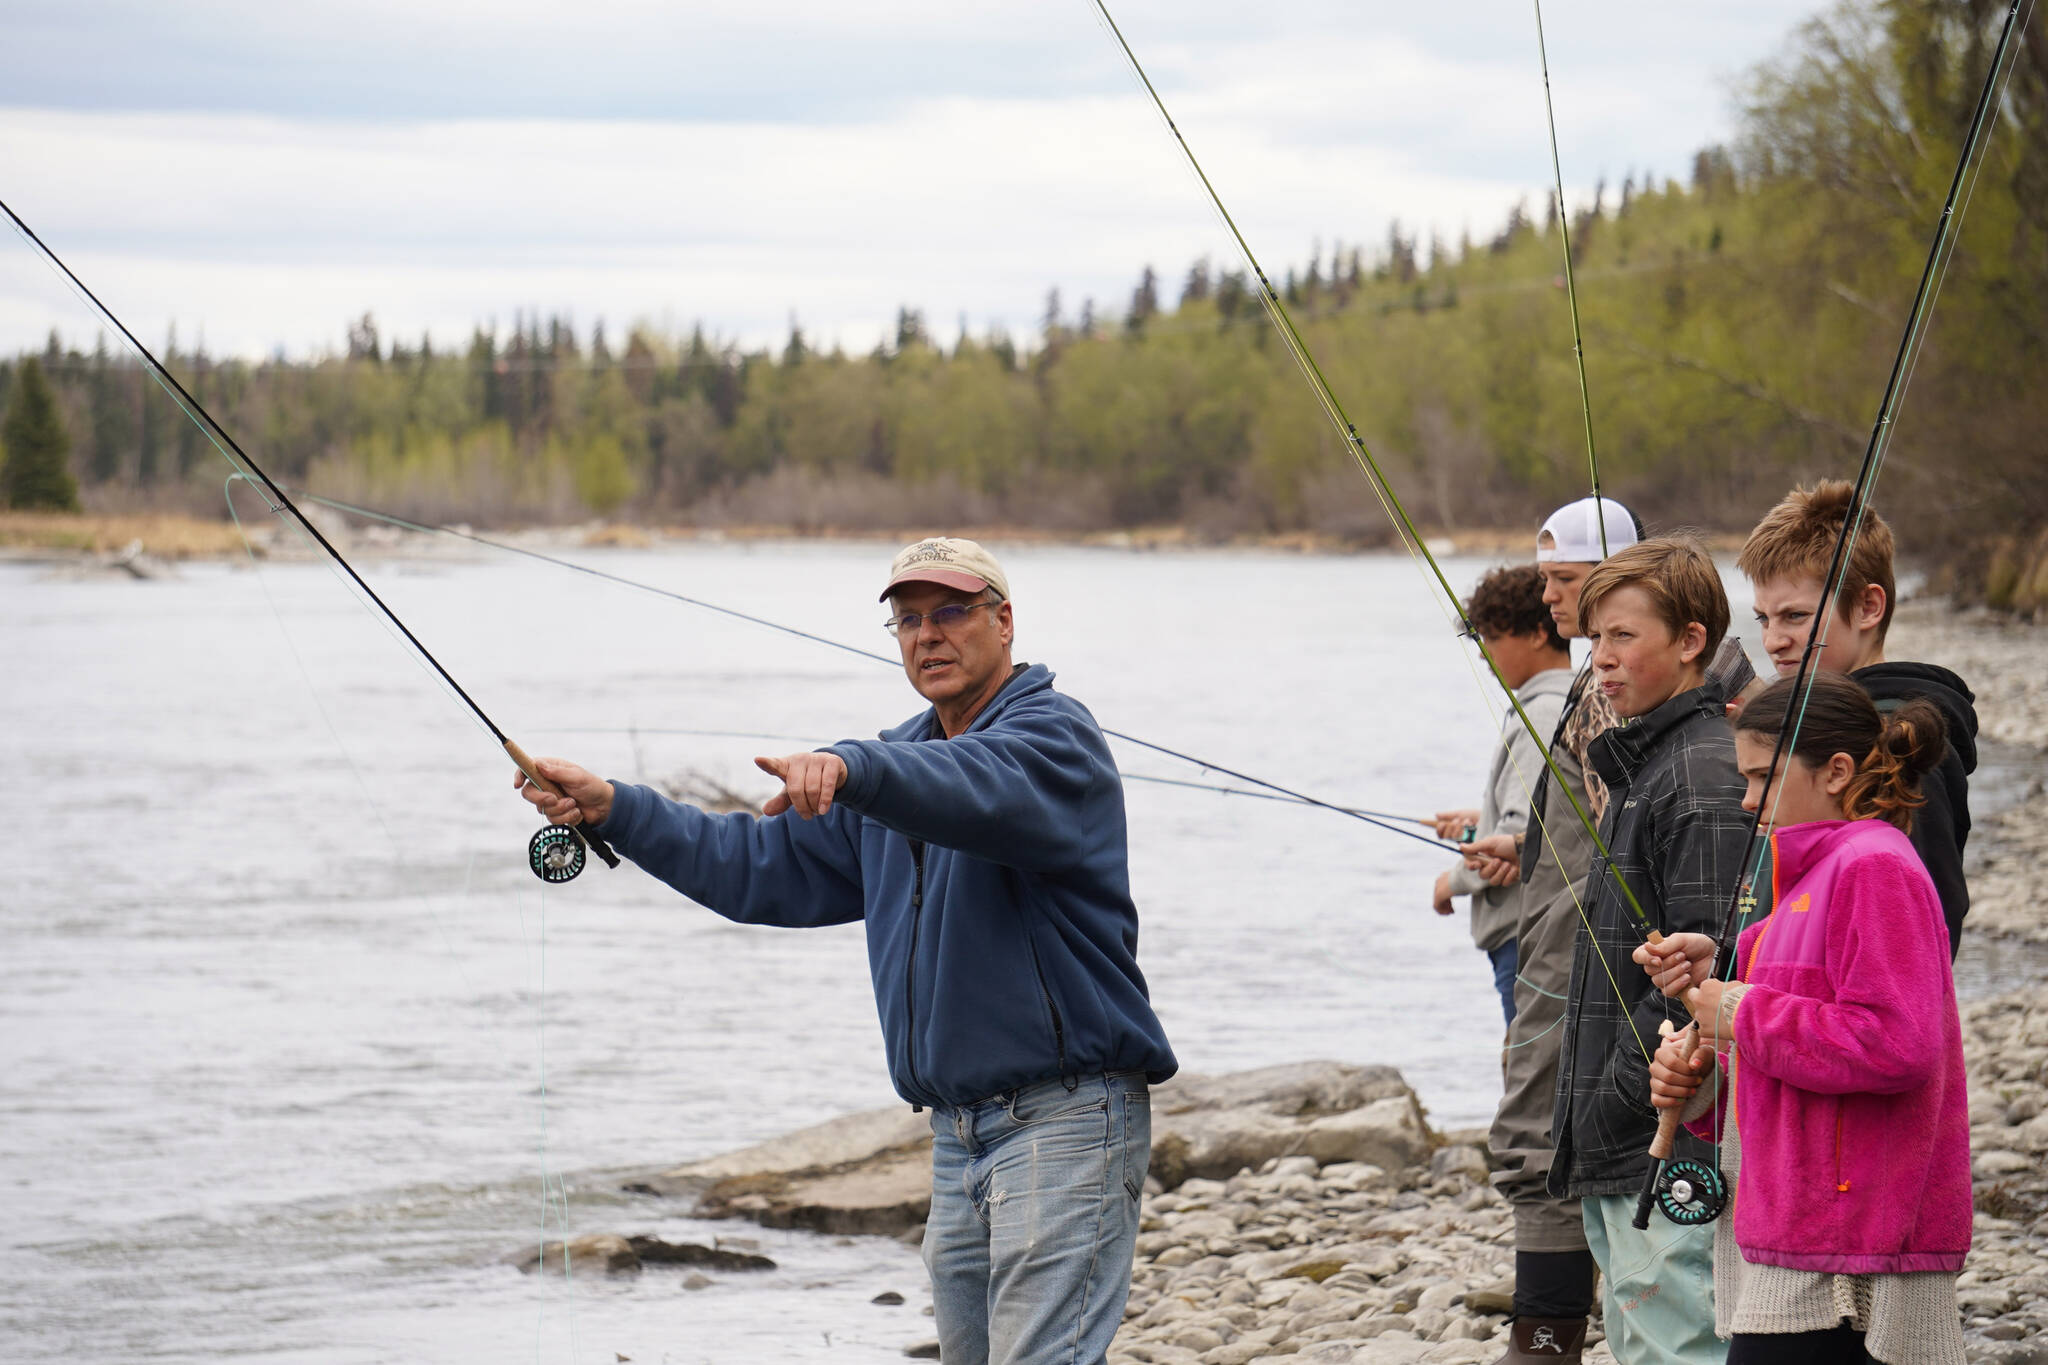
[(983, 843)]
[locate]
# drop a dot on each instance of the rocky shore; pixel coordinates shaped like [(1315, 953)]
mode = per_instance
[(1309, 1214)]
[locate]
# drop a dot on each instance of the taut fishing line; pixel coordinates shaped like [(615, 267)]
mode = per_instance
[(1380, 819), (1151, 778)]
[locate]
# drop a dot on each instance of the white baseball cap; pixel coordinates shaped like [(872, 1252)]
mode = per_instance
[(1574, 532), (950, 562)]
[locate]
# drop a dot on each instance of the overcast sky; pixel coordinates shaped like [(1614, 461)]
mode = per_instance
[(259, 173)]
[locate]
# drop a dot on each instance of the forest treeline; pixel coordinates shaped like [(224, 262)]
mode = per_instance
[(1738, 324)]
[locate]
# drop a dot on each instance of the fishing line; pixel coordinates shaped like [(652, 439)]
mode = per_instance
[(1377, 817), (391, 518), (1571, 290), (1359, 811)]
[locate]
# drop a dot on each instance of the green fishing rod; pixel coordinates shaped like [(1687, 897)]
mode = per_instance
[(1390, 501), (556, 853), (1571, 289)]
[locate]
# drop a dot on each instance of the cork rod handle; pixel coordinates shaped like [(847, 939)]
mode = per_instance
[(524, 761), (1662, 1145)]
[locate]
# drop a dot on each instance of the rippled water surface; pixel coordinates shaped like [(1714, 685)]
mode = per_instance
[(296, 1050)]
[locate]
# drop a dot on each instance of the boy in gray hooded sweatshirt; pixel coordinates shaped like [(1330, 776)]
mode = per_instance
[(1510, 619)]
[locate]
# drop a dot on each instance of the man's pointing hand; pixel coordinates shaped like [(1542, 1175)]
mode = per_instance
[(809, 782)]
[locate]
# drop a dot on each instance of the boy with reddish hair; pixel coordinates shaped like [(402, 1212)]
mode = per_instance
[(1786, 560), (1675, 836)]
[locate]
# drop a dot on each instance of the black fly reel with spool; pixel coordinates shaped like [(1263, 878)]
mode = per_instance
[(1690, 1193), (558, 853)]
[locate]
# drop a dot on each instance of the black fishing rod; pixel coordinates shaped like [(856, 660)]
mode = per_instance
[(1381, 819), (556, 853), (1690, 1193)]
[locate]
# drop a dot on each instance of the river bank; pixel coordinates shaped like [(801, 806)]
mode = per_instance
[(75, 537)]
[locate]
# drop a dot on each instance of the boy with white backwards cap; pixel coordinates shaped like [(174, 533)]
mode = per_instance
[(1553, 1265)]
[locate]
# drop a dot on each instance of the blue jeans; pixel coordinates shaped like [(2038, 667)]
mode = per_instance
[(1503, 960), (1035, 1219)]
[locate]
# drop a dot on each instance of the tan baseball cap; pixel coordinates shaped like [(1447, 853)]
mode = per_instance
[(949, 561)]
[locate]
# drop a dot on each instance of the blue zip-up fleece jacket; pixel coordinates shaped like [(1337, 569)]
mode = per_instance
[(993, 874)]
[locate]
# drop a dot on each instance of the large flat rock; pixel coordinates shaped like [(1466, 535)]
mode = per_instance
[(1214, 1126), (836, 1142), (888, 1192), (871, 1172)]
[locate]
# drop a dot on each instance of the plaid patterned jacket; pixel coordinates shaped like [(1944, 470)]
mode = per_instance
[(1677, 833)]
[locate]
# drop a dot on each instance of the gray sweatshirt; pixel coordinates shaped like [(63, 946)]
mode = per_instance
[(1505, 807)]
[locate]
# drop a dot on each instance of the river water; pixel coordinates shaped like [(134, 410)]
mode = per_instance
[(297, 1051)]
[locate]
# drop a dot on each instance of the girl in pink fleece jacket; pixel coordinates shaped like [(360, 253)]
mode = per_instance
[(1839, 1052)]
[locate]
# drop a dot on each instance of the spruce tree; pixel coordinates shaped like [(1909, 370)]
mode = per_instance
[(113, 425), (149, 443), (37, 473)]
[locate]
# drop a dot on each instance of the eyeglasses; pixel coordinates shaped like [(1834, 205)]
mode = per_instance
[(945, 618)]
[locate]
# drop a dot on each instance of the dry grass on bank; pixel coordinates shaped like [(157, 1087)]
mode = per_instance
[(162, 535)]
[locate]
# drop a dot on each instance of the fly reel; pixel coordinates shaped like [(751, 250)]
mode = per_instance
[(1691, 1192), (556, 854)]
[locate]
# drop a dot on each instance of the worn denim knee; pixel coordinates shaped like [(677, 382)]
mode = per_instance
[(1034, 1220)]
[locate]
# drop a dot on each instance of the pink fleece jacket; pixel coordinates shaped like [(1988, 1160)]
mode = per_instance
[(1847, 1077)]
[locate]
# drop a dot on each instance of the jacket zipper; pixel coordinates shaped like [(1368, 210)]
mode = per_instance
[(1059, 1031), (910, 975), (1841, 1185)]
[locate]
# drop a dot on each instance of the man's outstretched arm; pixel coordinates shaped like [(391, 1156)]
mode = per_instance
[(781, 871)]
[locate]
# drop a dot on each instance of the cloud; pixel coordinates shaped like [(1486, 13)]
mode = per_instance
[(965, 188)]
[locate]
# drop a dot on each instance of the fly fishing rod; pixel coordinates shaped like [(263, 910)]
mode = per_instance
[(556, 853)]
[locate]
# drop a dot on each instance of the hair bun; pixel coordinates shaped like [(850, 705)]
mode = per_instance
[(1916, 736)]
